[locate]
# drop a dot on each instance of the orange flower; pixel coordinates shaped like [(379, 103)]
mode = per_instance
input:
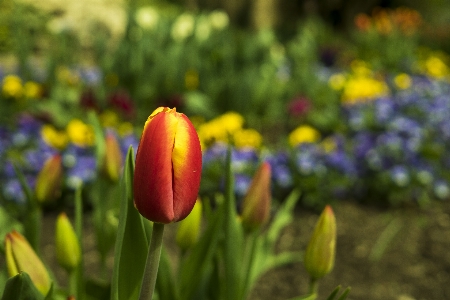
[(168, 167), (48, 182), (257, 201)]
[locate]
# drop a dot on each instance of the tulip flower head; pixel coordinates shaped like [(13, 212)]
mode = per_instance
[(20, 256), (112, 164), (189, 228), (168, 167), (320, 252), (257, 201), (68, 252), (48, 182)]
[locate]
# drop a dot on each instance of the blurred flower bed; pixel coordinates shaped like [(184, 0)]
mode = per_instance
[(363, 117)]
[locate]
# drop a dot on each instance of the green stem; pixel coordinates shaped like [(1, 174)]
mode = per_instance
[(73, 283), (250, 260), (76, 276), (36, 227), (152, 264), (313, 286)]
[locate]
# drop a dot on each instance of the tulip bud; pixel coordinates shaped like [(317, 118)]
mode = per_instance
[(168, 167), (257, 201), (112, 164), (48, 182), (189, 228), (320, 252), (68, 252), (20, 256)]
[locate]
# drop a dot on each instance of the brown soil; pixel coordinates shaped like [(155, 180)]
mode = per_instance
[(398, 254)]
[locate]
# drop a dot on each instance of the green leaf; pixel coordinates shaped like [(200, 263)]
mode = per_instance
[(265, 258), (131, 243), (344, 294), (100, 147), (20, 287), (234, 238), (79, 282), (33, 221), (283, 217), (334, 293), (197, 266), (165, 284)]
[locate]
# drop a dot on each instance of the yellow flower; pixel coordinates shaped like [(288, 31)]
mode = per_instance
[(360, 68), (328, 144), (363, 88), (220, 128), (32, 90), (12, 86), (65, 75), (247, 138), (435, 67), (125, 128), (303, 134), (80, 134), (54, 137), (337, 81), (402, 81), (108, 118)]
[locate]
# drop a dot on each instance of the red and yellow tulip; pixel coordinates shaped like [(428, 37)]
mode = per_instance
[(48, 182), (168, 167), (257, 201)]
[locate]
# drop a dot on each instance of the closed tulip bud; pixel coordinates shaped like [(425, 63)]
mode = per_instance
[(20, 257), (320, 252), (168, 167), (68, 252), (48, 182), (112, 164), (257, 201), (189, 228)]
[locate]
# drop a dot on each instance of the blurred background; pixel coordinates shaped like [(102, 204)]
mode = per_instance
[(347, 100)]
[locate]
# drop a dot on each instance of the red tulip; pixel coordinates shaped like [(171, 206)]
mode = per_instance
[(168, 167)]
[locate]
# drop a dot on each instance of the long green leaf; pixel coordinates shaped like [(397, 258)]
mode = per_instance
[(33, 220), (100, 147), (197, 266), (234, 236), (131, 243), (165, 284)]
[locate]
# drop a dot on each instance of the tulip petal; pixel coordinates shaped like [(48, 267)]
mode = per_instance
[(187, 163), (153, 172)]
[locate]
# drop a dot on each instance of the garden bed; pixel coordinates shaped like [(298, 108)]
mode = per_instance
[(398, 254)]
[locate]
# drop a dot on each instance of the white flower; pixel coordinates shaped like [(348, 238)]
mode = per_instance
[(147, 17), (219, 19), (183, 27)]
